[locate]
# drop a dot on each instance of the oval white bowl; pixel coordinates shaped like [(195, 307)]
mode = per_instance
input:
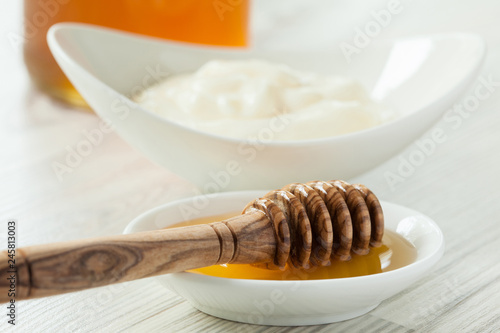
[(419, 77), (292, 303)]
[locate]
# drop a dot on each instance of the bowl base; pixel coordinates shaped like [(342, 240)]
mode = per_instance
[(257, 318)]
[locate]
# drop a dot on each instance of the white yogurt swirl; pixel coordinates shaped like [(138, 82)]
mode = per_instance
[(239, 98)]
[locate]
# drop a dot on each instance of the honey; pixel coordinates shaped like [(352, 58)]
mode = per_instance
[(395, 252), (196, 21)]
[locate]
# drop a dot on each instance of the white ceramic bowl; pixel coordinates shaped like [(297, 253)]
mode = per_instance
[(291, 303), (418, 77)]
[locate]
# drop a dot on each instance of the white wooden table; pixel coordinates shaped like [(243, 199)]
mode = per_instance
[(457, 185)]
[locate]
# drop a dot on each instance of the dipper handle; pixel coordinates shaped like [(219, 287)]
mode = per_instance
[(51, 269), (300, 225)]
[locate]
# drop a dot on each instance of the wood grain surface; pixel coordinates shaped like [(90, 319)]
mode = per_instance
[(64, 267)]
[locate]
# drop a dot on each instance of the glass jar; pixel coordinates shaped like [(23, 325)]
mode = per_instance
[(213, 22)]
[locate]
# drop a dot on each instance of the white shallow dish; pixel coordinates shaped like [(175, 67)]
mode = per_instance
[(292, 303), (419, 77)]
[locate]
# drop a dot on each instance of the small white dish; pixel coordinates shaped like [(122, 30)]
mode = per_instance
[(292, 303), (418, 77)]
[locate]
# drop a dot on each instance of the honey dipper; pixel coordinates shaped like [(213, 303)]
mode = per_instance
[(301, 224)]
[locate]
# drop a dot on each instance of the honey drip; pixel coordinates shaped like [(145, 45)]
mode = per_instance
[(395, 252)]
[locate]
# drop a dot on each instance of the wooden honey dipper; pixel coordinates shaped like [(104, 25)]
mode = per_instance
[(301, 224)]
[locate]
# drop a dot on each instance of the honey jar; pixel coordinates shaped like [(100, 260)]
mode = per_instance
[(212, 22)]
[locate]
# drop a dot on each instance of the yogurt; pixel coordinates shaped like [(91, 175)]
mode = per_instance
[(241, 98)]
